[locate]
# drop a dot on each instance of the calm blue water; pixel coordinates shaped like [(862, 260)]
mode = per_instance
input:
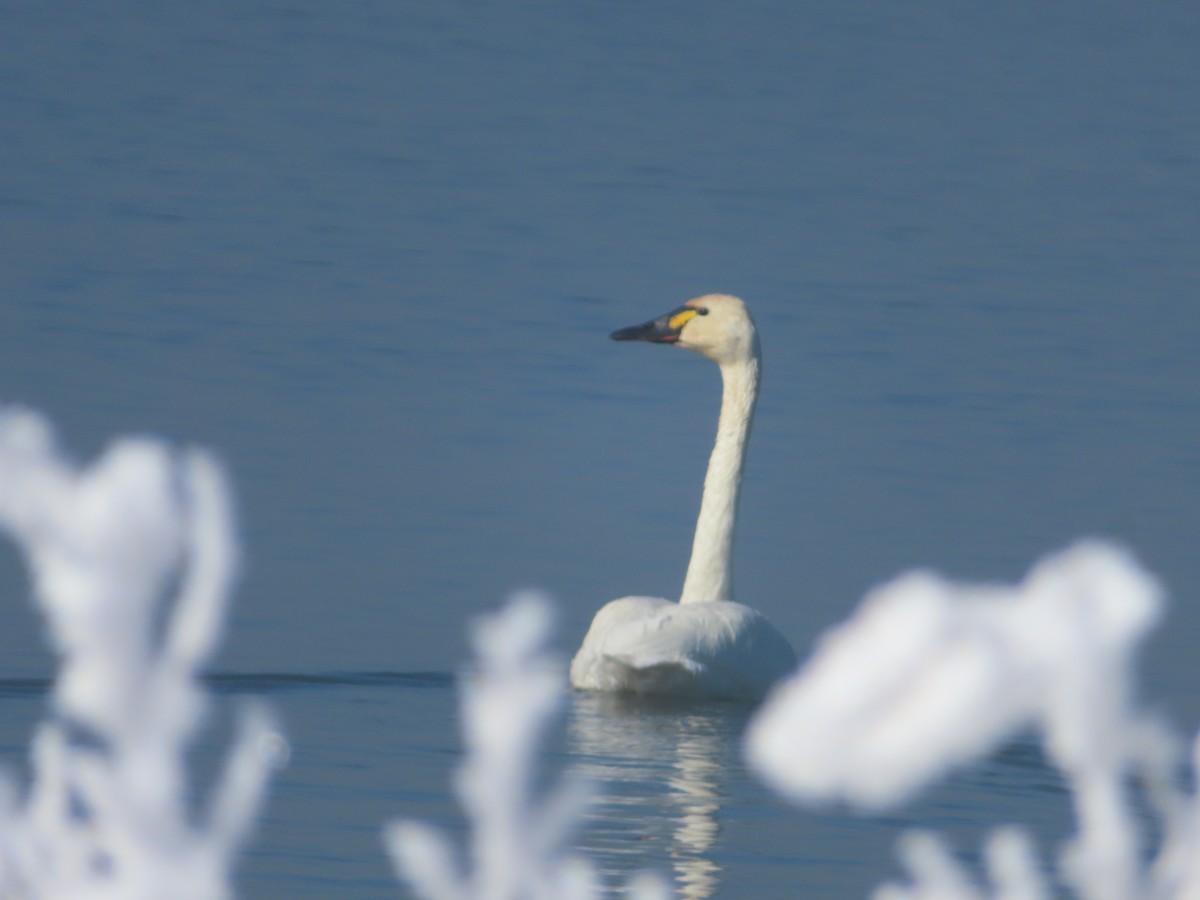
[(370, 252)]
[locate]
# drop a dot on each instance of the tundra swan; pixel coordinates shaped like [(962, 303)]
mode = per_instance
[(706, 645)]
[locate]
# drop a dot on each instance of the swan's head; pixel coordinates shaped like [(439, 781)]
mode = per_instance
[(715, 325)]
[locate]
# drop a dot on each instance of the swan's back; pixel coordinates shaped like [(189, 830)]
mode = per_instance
[(647, 645)]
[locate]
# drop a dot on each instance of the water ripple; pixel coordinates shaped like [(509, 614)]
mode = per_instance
[(277, 682)]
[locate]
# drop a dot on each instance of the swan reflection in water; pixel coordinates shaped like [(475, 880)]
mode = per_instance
[(657, 768)]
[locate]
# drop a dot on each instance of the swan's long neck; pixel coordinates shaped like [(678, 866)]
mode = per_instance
[(710, 572)]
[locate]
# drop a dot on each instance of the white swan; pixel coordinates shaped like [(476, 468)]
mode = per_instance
[(706, 645)]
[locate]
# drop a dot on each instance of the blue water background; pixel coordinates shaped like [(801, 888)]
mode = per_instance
[(370, 252)]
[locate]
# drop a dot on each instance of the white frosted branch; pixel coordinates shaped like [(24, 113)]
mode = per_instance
[(518, 838), (422, 856), (1012, 865), (929, 674), (132, 561)]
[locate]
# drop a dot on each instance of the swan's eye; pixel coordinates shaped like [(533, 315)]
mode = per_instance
[(702, 310)]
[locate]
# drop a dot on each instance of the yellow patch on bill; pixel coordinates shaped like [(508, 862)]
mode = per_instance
[(681, 318)]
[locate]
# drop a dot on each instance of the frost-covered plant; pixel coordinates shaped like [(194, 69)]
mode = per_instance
[(929, 674), (131, 562), (518, 840)]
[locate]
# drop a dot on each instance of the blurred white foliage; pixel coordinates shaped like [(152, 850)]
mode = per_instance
[(131, 562), (929, 674), (518, 841)]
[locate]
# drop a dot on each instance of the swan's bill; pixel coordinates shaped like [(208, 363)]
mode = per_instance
[(663, 330)]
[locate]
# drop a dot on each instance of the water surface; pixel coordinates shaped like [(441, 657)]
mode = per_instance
[(370, 252)]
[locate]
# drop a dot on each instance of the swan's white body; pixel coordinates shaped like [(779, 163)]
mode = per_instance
[(706, 645)]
